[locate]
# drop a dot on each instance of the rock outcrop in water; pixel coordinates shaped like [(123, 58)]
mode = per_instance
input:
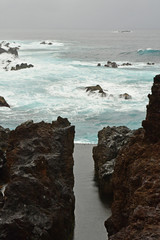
[(3, 102), (9, 57), (21, 66), (93, 89), (46, 43), (111, 64), (136, 184), (36, 198), (126, 96), (110, 141)]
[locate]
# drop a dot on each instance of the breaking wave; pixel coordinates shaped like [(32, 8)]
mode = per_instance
[(150, 51)]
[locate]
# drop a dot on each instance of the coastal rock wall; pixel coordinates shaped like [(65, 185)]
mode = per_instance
[(36, 199), (136, 184), (110, 142), (152, 122)]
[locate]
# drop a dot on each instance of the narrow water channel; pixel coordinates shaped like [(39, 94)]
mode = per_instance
[(90, 211)]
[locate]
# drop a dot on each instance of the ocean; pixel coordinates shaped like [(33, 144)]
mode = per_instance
[(55, 86)]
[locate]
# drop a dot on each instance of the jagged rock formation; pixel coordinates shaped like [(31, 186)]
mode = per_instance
[(115, 65), (21, 66), (36, 199), (110, 141), (13, 51), (93, 89), (3, 102), (126, 96), (136, 184), (111, 64), (152, 122), (11, 60)]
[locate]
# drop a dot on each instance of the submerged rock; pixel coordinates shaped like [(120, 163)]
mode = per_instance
[(3, 102), (126, 64), (136, 185), (46, 43), (150, 63), (37, 201), (110, 142)]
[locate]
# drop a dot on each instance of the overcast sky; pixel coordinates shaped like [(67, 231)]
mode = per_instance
[(80, 14)]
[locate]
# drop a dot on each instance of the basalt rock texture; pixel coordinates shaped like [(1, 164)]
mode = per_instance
[(110, 141), (36, 199), (136, 180), (152, 122)]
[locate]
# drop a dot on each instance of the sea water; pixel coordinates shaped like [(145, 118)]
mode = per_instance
[(55, 86)]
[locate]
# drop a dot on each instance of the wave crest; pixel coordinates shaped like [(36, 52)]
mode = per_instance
[(149, 51)]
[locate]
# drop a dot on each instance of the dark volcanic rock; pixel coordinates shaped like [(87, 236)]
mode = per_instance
[(126, 96), (150, 63), (3, 102), (13, 51), (152, 122), (2, 50), (4, 135), (136, 184), (96, 88), (37, 200), (111, 64), (126, 64), (46, 43), (110, 141), (21, 66)]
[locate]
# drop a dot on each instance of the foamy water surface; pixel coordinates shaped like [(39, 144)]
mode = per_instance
[(55, 86)]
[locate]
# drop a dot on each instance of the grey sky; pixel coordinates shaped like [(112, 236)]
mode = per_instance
[(83, 14)]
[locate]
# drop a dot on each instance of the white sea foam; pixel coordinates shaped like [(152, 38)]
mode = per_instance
[(33, 45), (56, 86)]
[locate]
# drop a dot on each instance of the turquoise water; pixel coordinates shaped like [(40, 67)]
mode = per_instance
[(56, 84)]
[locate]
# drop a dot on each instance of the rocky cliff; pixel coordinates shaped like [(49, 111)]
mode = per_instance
[(136, 180), (110, 141), (36, 180)]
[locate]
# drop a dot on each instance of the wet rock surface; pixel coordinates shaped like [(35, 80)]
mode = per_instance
[(46, 43), (110, 142), (3, 102), (152, 122), (98, 88), (111, 64), (136, 185), (125, 96), (21, 66), (36, 199), (10, 58)]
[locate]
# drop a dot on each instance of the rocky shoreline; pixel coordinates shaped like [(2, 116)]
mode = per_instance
[(10, 57), (36, 177), (134, 180), (36, 166)]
